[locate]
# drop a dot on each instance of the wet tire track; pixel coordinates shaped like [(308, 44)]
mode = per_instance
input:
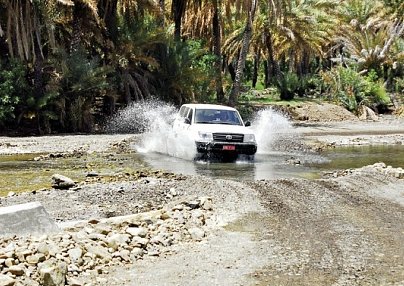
[(332, 232)]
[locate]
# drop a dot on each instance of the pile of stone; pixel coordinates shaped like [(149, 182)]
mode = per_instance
[(397, 173), (389, 170), (86, 249)]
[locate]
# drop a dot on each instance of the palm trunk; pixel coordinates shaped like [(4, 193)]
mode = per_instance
[(235, 91), (178, 10), (162, 8), (109, 14), (39, 89), (77, 26), (276, 72), (267, 74), (255, 71), (217, 51)]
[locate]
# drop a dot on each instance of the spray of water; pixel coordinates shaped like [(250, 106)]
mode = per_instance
[(154, 120), (270, 128)]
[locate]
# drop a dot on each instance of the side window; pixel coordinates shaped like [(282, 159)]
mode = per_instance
[(183, 109), (186, 111), (190, 114)]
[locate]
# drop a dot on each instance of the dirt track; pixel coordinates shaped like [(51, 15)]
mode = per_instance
[(333, 231)]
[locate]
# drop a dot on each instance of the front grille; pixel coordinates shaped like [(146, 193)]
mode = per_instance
[(228, 137)]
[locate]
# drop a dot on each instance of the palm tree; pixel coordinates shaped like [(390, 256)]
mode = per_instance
[(217, 49), (368, 32), (247, 34), (205, 22), (30, 37)]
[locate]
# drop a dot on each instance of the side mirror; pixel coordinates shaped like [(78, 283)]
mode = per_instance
[(247, 123), (187, 121)]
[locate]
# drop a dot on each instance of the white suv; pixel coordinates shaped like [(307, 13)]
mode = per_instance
[(215, 129)]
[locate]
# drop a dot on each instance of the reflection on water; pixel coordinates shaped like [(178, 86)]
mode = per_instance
[(268, 166), (20, 173), (277, 164), (355, 157)]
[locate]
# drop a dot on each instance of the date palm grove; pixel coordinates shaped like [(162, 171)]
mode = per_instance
[(67, 64)]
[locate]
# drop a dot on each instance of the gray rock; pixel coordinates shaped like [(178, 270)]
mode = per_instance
[(139, 241), (6, 280), (35, 258), (196, 233), (28, 218), (117, 240), (9, 262), (16, 270), (62, 182), (137, 231), (99, 251), (136, 252), (74, 282), (75, 254), (92, 174), (53, 273)]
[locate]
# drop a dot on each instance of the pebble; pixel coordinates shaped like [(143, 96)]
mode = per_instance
[(89, 246)]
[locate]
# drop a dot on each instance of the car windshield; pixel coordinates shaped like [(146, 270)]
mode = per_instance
[(217, 116)]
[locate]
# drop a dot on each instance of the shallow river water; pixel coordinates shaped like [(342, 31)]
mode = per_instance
[(19, 173), (278, 164)]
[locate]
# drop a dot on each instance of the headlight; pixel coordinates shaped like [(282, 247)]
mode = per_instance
[(249, 138), (205, 136)]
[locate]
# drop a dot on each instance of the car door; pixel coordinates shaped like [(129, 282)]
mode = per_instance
[(182, 122)]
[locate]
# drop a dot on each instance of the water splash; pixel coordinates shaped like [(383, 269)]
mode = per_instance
[(271, 129), (154, 119), (142, 117)]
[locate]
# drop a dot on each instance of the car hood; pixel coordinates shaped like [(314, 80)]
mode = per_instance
[(222, 128)]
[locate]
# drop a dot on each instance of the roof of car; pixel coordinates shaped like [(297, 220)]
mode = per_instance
[(208, 106)]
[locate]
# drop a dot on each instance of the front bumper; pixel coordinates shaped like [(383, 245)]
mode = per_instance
[(217, 147)]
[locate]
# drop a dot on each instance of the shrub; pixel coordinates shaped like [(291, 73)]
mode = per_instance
[(288, 86), (352, 89), (13, 84)]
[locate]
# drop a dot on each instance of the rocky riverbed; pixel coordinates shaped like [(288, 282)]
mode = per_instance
[(149, 227)]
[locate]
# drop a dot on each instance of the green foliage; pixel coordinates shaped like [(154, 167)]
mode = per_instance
[(130, 54), (351, 89), (82, 79), (187, 73), (288, 86), (13, 84), (83, 76), (399, 85)]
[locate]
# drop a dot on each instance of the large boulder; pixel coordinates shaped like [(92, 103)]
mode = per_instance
[(29, 218), (62, 182), (53, 273), (6, 280)]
